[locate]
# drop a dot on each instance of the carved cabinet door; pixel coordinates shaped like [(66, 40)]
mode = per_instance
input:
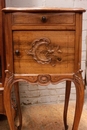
[(43, 51)]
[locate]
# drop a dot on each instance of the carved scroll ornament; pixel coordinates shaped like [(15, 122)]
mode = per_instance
[(44, 52)]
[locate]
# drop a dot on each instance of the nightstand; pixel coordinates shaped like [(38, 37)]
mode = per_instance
[(43, 46)]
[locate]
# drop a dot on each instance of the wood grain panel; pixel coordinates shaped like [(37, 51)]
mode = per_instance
[(2, 65), (36, 18), (24, 63), (2, 5)]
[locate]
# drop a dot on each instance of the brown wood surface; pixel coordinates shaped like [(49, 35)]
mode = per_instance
[(1, 102), (43, 50), (8, 40), (11, 9), (2, 111), (36, 18), (2, 5), (25, 63)]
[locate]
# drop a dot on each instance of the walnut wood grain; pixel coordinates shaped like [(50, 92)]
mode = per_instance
[(65, 40), (2, 63), (2, 5), (36, 19)]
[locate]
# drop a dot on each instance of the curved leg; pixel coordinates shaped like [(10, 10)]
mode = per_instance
[(16, 88), (67, 95), (79, 100), (7, 100)]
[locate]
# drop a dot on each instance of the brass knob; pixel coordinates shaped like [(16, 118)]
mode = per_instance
[(44, 19), (17, 52)]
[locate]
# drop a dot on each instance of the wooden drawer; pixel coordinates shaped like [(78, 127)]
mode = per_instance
[(43, 51), (43, 18)]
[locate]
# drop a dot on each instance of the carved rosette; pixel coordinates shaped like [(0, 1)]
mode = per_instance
[(44, 79), (44, 52)]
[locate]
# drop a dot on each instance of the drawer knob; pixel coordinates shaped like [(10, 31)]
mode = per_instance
[(17, 52), (44, 19)]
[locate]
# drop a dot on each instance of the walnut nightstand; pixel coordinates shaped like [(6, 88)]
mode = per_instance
[(43, 45)]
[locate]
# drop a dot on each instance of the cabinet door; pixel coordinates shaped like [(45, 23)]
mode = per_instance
[(37, 52)]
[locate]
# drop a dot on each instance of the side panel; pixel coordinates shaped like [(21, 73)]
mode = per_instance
[(2, 76)]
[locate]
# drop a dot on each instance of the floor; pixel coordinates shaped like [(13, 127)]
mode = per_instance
[(47, 117)]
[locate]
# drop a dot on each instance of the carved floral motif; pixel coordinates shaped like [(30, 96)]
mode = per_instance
[(44, 79), (44, 52)]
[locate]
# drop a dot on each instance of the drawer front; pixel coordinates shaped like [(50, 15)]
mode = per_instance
[(43, 18), (37, 52)]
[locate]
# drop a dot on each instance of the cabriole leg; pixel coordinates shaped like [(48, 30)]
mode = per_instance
[(16, 88), (79, 99), (67, 95), (9, 108)]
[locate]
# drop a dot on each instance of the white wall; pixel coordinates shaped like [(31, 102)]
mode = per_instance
[(25, 3), (53, 93)]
